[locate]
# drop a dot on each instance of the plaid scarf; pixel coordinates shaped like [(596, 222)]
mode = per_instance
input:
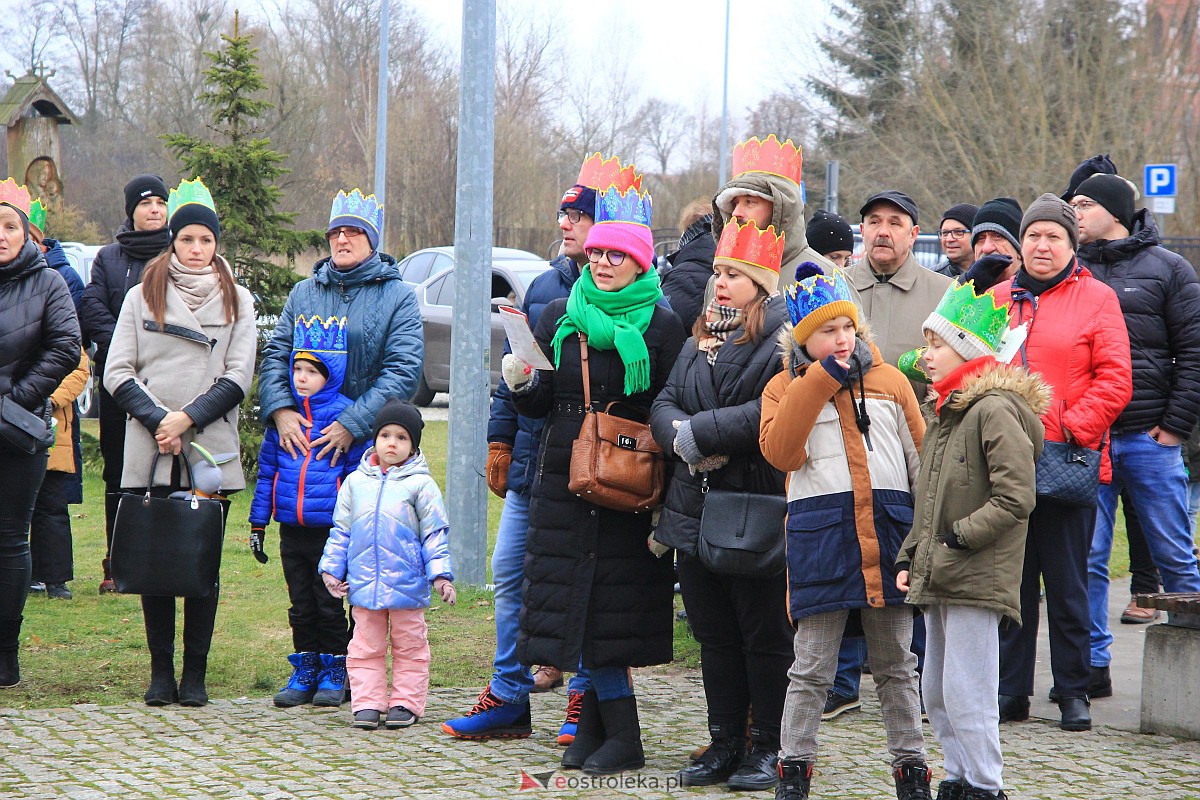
[(720, 321)]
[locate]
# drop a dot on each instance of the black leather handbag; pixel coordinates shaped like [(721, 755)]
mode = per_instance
[(23, 431), (1069, 473), (167, 546), (742, 533)]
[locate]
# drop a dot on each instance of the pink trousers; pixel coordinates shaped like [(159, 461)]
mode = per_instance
[(366, 659)]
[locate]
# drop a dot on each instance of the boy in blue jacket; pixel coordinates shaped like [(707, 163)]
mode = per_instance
[(300, 493)]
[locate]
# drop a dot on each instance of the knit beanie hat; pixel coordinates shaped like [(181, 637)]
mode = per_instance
[(406, 415), (630, 238), (140, 188), (1113, 192), (963, 212), (1000, 215), (580, 197), (1049, 208), (191, 203), (828, 232), (816, 298), (755, 253), (356, 210), (1096, 165), (971, 324), (314, 359)]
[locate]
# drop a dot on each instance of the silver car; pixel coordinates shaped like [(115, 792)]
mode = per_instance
[(431, 274)]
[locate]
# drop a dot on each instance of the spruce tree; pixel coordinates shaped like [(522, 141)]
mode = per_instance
[(241, 170)]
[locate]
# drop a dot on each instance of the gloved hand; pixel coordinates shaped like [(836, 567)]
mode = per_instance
[(835, 368), (953, 541), (258, 535), (445, 590), (498, 461), (685, 443), (516, 372), (336, 588), (986, 272)]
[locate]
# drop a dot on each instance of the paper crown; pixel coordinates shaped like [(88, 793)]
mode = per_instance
[(815, 291), (37, 215), (600, 174), (359, 206), (977, 316), (613, 205), (769, 156), (187, 193), (912, 364), (317, 334), (15, 195), (749, 245)]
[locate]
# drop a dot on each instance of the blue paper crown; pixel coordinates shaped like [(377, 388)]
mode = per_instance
[(365, 208), (815, 292), (316, 334), (630, 206)]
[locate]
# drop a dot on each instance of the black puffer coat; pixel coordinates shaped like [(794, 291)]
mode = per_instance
[(724, 403), (684, 282), (39, 332), (593, 590), (1160, 299), (116, 270)]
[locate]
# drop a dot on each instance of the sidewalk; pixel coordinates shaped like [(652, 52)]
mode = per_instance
[(247, 749)]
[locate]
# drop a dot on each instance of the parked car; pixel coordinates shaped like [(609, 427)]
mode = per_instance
[(81, 257), (431, 273)]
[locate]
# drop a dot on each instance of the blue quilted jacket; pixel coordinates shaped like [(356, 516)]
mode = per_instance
[(523, 434), (390, 537), (385, 342), (301, 490)]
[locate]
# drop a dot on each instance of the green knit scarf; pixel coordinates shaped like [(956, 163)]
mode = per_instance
[(613, 319)]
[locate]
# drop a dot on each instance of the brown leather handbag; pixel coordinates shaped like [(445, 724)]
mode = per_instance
[(615, 462)]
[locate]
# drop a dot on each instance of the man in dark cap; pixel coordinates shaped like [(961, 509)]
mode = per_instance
[(953, 232)]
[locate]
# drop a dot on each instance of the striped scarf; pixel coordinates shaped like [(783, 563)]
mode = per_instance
[(720, 321)]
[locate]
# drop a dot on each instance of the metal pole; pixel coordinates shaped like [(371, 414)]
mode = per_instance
[(725, 108), (381, 118), (470, 357), (831, 186)]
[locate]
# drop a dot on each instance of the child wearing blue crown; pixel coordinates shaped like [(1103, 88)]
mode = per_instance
[(300, 493), (844, 425), (962, 562)]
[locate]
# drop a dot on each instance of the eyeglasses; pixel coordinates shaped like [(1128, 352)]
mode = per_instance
[(957, 233), (573, 214), (346, 230), (1083, 205), (615, 257)]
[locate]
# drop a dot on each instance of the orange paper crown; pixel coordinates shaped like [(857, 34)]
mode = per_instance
[(769, 156), (15, 195), (747, 244), (600, 174)]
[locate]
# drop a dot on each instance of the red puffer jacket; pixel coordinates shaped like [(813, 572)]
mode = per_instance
[(1079, 344)]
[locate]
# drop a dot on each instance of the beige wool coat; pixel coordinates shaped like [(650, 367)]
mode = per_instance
[(175, 365)]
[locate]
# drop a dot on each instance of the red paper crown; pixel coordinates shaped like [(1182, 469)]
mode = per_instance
[(15, 195), (749, 245), (600, 174), (769, 156)]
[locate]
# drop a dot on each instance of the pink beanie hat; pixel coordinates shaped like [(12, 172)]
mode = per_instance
[(630, 238)]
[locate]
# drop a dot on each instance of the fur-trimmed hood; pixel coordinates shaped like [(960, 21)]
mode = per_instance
[(1034, 391)]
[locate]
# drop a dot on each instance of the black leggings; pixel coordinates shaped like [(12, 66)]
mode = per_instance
[(20, 478)]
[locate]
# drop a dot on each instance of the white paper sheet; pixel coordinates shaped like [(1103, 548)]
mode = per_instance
[(520, 338)]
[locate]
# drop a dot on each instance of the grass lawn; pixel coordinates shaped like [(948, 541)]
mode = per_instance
[(92, 649)]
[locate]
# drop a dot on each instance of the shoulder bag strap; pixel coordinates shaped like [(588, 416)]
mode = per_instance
[(587, 378)]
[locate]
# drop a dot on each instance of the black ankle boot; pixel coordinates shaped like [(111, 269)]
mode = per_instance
[(622, 748), (10, 645), (1013, 708), (794, 779), (1076, 715), (720, 760), (162, 690), (192, 691), (589, 733), (951, 790), (760, 767)]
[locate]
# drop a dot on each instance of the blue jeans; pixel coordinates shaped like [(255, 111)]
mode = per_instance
[(612, 683), (1155, 478), (511, 680)]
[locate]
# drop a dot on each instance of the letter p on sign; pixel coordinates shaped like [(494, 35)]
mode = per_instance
[(1160, 180)]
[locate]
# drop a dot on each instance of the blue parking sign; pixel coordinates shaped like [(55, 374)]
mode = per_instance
[(1160, 180)]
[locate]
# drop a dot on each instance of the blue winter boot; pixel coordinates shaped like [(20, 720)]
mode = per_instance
[(303, 684), (491, 718), (331, 683)]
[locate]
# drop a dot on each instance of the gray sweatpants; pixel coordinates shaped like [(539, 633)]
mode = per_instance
[(893, 666), (960, 682)]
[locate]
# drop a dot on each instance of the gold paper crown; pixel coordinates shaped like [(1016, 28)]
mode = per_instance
[(747, 244), (15, 195), (769, 156), (599, 174)]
